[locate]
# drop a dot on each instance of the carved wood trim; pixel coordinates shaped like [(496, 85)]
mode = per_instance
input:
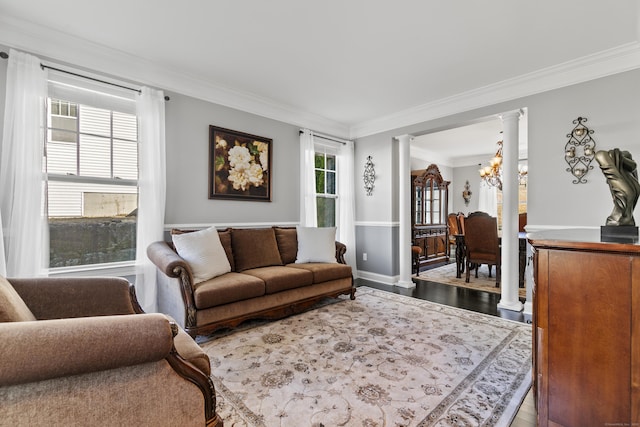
[(194, 375), (271, 313)]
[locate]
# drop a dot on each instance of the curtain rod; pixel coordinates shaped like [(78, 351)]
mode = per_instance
[(327, 137), (5, 55)]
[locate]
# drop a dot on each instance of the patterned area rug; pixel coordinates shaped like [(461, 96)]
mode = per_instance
[(381, 360), (447, 275)]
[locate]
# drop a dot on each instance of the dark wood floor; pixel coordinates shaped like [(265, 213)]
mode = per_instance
[(469, 299)]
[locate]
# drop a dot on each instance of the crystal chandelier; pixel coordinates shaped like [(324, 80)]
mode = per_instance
[(492, 174)]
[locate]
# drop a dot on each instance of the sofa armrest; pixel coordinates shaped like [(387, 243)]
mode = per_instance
[(341, 248), (46, 349), (167, 260), (64, 297)]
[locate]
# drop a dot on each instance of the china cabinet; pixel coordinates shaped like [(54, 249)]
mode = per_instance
[(429, 201)]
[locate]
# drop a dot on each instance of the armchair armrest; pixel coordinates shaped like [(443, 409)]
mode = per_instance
[(63, 297), (46, 349), (341, 248)]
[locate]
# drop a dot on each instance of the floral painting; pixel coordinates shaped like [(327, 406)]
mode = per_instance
[(239, 165)]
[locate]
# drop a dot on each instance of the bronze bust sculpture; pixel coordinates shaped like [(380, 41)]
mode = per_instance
[(622, 176)]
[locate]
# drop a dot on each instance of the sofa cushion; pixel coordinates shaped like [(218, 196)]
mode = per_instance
[(254, 247), (287, 243), (230, 287), (225, 240), (323, 272), (278, 278), (316, 244), (12, 307), (203, 252)]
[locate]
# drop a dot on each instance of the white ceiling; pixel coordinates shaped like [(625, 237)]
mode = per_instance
[(350, 64)]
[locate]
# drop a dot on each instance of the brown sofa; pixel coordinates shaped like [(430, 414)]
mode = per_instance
[(264, 281), (75, 352)]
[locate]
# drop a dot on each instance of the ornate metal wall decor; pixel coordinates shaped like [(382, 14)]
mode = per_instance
[(466, 194), (580, 150), (369, 176)]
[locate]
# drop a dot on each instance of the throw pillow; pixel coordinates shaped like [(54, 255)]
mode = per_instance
[(316, 244), (12, 307), (225, 239), (203, 252), (254, 248)]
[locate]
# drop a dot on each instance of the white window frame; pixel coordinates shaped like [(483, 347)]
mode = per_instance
[(76, 90), (328, 148)]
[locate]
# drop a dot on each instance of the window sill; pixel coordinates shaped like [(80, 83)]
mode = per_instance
[(120, 269)]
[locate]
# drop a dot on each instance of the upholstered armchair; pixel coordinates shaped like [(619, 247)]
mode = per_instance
[(79, 351)]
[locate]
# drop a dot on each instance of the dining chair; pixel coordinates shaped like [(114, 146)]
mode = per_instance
[(452, 222), (482, 245)]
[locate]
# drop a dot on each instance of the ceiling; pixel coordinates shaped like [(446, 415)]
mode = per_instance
[(347, 66)]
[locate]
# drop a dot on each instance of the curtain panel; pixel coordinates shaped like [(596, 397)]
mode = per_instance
[(151, 190), (22, 181)]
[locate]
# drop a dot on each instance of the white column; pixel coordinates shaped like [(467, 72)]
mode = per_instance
[(510, 261), (404, 191)]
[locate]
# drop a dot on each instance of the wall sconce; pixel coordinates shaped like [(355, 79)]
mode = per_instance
[(580, 150), (369, 176), (466, 194)]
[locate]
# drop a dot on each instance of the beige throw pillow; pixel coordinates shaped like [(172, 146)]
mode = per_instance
[(316, 244), (203, 252)]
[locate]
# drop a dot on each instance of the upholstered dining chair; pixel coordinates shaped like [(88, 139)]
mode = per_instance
[(452, 222), (482, 245)]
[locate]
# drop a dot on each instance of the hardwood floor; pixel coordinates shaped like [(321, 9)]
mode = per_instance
[(469, 299)]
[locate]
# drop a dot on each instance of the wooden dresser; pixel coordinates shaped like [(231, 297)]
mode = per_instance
[(586, 329)]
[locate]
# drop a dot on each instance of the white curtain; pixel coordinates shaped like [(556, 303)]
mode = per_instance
[(308, 215), (346, 198), (488, 199), (151, 190), (22, 183)]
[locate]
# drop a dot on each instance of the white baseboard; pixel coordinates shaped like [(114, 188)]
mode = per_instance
[(379, 278)]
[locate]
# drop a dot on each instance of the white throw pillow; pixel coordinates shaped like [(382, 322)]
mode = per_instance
[(316, 244), (203, 252)]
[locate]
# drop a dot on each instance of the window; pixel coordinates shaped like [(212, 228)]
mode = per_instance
[(326, 184), (92, 170)]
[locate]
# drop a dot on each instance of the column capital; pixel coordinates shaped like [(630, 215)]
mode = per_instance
[(514, 114)]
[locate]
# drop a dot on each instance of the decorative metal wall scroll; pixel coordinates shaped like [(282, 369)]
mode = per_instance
[(580, 150), (369, 176), (466, 194)]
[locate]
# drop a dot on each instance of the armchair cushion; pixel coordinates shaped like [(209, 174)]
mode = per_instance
[(203, 252), (316, 244), (12, 307), (254, 248)]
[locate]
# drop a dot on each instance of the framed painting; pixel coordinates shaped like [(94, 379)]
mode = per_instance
[(239, 165)]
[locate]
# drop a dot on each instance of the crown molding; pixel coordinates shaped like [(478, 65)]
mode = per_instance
[(61, 47), (64, 48), (612, 61)]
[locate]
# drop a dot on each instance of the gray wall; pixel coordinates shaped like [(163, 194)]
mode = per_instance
[(612, 105), (187, 130)]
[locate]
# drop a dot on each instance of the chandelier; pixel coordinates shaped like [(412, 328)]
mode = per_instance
[(492, 174)]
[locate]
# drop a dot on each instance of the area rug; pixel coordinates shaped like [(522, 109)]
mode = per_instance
[(381, 360), (447, 275)]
